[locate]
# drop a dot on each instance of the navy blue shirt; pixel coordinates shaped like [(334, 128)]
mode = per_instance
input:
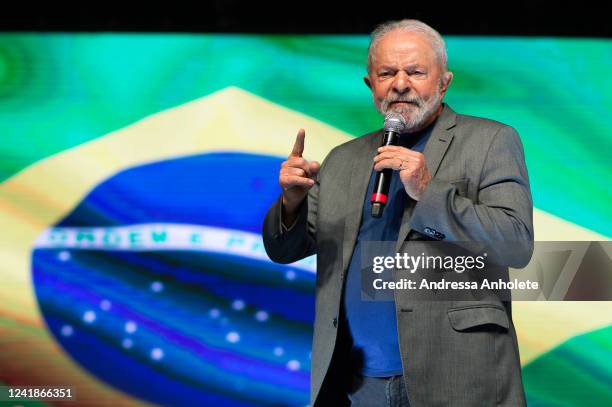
[(372, 324)]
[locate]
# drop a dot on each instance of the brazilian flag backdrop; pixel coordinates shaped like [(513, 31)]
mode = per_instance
[(136, 170)]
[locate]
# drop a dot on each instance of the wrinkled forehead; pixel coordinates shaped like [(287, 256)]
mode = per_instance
[(404, 47)]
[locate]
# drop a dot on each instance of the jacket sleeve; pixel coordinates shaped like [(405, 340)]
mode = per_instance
[(288, 245), (503, 211)]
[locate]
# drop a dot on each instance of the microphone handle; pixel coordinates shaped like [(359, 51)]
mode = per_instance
[(380, 194)]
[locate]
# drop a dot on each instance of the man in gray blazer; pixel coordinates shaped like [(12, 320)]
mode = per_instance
[(456, 178)]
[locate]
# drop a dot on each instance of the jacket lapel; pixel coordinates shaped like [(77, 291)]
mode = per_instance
[(439, 141), (359, 177)]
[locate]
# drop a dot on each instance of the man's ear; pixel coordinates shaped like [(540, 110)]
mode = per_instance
[(366, 79), (447, 78)]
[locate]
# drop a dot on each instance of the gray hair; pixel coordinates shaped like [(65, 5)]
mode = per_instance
[(435, 39)]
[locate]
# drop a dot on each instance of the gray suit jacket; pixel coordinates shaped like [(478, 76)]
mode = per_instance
[(454, 353)]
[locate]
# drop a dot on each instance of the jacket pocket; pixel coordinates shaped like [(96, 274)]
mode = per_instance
[(478, 317)]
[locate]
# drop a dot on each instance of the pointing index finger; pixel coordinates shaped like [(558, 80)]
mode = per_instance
[(298, 147)]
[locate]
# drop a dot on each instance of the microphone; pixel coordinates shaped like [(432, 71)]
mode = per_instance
[(393, 126)]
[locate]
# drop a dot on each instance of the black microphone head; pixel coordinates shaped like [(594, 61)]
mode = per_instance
[(394, 122)]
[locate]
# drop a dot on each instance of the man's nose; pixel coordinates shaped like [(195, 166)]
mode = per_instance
[(401, 83)]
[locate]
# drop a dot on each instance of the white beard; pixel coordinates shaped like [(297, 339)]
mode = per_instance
[(415, 116)]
